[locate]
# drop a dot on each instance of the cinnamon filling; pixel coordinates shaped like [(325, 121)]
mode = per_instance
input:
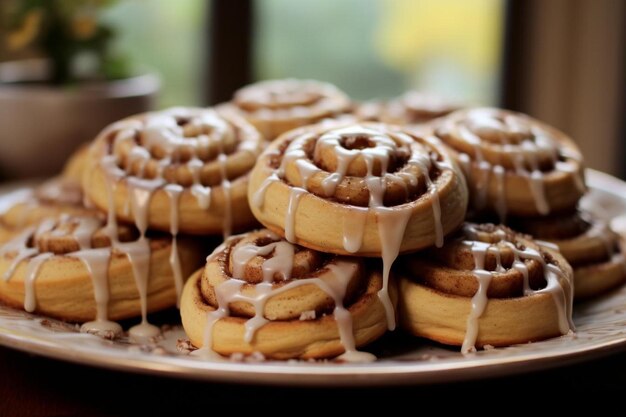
[(556, 227), (272, 263), (488, 261), (261, 278), (286, 95), (403, 182), (573, 228), (276, 100), (181, 149), (450, 269)]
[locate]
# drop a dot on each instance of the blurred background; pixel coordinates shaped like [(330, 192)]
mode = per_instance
[(69, 67)]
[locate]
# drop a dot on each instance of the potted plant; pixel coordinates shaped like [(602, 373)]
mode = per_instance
[(60, 82)]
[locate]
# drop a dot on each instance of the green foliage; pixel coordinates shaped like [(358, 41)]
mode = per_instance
[(70, 34)]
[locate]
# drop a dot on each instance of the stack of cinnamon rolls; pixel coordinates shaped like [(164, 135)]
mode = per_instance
[(339, 222)]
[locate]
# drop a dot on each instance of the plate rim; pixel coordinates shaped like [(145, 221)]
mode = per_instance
[(345, 375)]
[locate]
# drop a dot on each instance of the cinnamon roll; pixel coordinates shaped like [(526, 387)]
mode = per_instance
[(259, 294), (59, 195), (67, 261), (413, 107), (589, 244), (486, 286), (181, 169), (514, 164), (72, 267), (370, 189), (277, 106), (53, 198), (75, 165)]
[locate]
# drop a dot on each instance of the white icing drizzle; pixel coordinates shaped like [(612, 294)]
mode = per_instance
[(546, 244), (537, 188), (291, 98), (202, 129), (174, 191), (598, 229), (97, 263), (619, 259), (199, 191), (391, 227), (536, 142), (292, 209), (138, 254), (259, 196), (479, 300), (392, 221), (34, 265), (95, 260), (18, 247), (228, 211), (499, 173), (337, 289), (225, 293), (423, 163), (557, 283), (110, 188), (281, 263), (601, 230), (353, 229), (202, 195), (561, 290)]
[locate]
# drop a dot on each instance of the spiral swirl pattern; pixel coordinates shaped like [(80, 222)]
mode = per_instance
[(368, 189), (277, 106), (496, 279), (355, 174), (30, 254), (260, 293), (588, 243), (51, 200), (514, 164), (413, 107), (67, 261), (178, 169)]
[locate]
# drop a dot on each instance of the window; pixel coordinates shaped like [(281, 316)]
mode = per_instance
[(165, 37), (380, 48)]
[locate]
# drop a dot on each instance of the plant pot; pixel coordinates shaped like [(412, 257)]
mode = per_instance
[(40, 125)]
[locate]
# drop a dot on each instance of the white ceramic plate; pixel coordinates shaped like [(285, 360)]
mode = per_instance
[(601, 329)]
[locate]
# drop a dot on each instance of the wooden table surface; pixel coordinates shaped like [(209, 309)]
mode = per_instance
[(35, 386)]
